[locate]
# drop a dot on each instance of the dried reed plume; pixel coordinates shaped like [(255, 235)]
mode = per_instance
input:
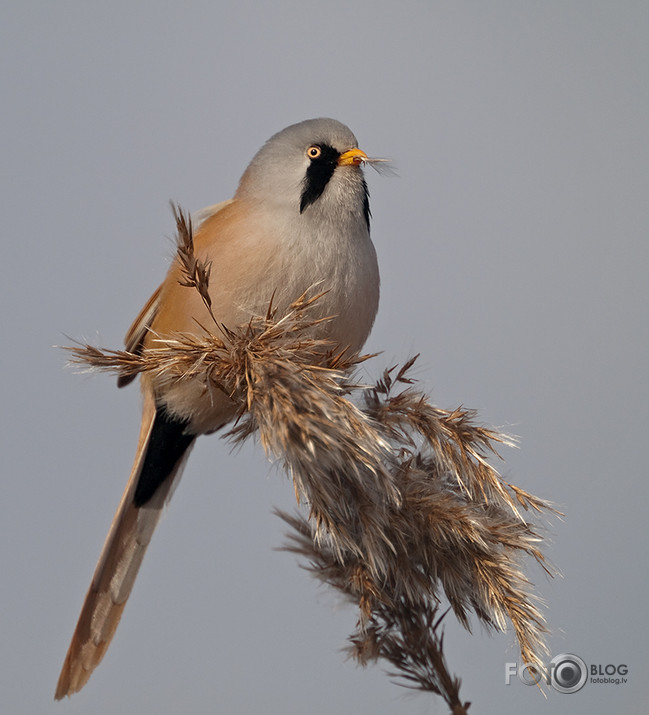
[(403, 506)]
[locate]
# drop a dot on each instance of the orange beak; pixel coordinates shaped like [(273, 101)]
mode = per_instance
[(352, 157)]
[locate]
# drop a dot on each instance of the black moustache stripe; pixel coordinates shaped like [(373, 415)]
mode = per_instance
[(318, 174)]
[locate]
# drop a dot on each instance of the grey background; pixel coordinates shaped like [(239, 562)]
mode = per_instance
[(513, 255)]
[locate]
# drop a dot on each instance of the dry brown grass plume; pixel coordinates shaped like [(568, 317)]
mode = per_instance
[(403, 508)]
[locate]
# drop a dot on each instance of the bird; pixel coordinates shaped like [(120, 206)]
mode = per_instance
[(299, 218)]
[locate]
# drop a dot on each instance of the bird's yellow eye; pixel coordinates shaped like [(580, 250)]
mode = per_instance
[(314, 152)]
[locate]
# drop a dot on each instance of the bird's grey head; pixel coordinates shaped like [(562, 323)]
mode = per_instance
[(311, 169)]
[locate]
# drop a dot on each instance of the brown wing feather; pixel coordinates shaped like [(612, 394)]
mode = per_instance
[(134, 339), (116, 570), (136, 334)]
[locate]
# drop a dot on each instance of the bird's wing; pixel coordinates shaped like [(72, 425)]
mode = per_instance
[(136, 334), (121, 555), (199, 217), (134, 339)]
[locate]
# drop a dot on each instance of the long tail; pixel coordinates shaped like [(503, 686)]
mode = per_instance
[(162, 450)]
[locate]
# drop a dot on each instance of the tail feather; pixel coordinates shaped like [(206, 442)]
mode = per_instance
[(148, 488)]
